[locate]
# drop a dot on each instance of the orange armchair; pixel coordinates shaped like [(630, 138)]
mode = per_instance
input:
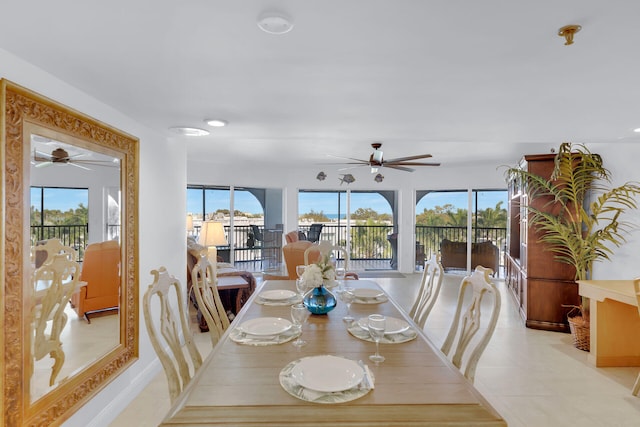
[(294, 255), (101, 272)]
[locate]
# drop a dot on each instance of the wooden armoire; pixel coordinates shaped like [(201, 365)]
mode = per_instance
[(540, 284)]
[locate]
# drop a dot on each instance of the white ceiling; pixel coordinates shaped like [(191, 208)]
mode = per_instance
[(466, 81)]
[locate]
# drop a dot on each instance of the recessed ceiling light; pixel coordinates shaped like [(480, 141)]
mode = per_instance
[(189, 131), (637, 130), (275, 23), (216, 123)]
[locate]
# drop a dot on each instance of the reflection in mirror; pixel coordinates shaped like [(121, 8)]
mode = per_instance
[(48, 148), (75, 201)]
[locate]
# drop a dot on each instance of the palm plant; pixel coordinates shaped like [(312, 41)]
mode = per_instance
[(585, 220)]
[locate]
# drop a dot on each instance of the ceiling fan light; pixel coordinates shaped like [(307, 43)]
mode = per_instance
[(374, 169), (377, 156), (217, 123)]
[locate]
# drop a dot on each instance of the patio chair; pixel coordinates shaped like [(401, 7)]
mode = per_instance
[(314, 232), (429, 290), (636, 284), (173, 331), (481, 285)]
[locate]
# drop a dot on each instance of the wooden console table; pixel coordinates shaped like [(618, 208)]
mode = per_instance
[(615, 324)]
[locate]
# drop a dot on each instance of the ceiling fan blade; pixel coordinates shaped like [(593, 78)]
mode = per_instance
[(411, 164), (104, 163), (403, 159), (402, 168), (44, 164), (79, 166), (351, 167)]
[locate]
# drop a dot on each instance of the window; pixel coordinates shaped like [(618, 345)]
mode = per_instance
[(445, 215), (252, 218), (61, 213)]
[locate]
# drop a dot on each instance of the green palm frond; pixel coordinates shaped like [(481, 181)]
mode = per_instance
[(579, 233)]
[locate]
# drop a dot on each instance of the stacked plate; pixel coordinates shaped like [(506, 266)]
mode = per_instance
[(368, 296), (278, 297), (265, 326), (326, 379), (264, 331)]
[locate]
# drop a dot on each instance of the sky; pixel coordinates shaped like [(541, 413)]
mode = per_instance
[(65, 199), (61, 199), (328, 202)]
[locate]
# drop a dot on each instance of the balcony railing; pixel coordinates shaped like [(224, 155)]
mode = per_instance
[(75, 236), (370, 244)]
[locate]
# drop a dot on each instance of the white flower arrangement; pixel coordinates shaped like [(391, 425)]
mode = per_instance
[(323, 272)]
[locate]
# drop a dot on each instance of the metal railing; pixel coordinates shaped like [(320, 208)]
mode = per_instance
[(373, 243), (75, 236), (367, 242)]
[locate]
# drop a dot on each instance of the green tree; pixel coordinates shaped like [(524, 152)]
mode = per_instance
[(493, 217), (315, 216)]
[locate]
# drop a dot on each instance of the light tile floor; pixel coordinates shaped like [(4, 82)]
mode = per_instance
[(533, 378)]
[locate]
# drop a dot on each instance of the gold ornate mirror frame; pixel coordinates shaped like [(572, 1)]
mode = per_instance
[(20, 109)]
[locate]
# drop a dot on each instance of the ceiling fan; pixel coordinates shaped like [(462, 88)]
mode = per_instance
[(61, 156), (376, 161)]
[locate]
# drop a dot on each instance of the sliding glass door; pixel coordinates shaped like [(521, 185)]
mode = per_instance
[(252, 218)]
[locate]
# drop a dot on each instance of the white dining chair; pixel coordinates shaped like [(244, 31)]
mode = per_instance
[(325, 247), (429, 290), (53, 283), (171, 330), (466, 323), (204, 285), (636, 284)]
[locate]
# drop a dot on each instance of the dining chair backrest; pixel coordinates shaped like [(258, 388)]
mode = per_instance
[(44, 251), (54, 283), (429, 290), (636, 286), (319, 250), (170, 333), (204, 285), (466, 323)]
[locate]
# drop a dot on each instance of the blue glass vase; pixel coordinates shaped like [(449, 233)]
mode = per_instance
[(320, 300)]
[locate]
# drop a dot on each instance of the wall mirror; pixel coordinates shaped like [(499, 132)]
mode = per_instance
[(46, 145)]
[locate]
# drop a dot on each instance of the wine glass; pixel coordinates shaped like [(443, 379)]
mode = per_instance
[(340, 275), (376, 324), (300, 270), (347, 296), (301, 287), (299, 315)]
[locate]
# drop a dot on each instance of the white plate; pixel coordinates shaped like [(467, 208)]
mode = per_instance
[(264, 326), (277, 295), (367, 293), (392, 325), (327, 373)]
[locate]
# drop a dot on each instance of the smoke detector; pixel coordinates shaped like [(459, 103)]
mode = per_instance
[(275, 23)]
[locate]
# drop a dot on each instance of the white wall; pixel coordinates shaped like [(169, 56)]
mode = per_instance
[(162, 206)]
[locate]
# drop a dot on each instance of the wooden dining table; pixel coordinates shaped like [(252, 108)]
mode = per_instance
[(239, 384)]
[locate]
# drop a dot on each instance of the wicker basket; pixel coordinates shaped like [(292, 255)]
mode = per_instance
[(580, 333)]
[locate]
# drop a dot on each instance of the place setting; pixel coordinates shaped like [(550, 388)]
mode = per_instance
[(368, 296), (395, 331), (278, 297), (326, 379), (265, 331)]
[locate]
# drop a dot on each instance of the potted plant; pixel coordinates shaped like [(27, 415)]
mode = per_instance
[(585, 221)]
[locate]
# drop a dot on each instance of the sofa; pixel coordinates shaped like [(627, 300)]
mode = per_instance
[(101, 273), (454, 255)]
